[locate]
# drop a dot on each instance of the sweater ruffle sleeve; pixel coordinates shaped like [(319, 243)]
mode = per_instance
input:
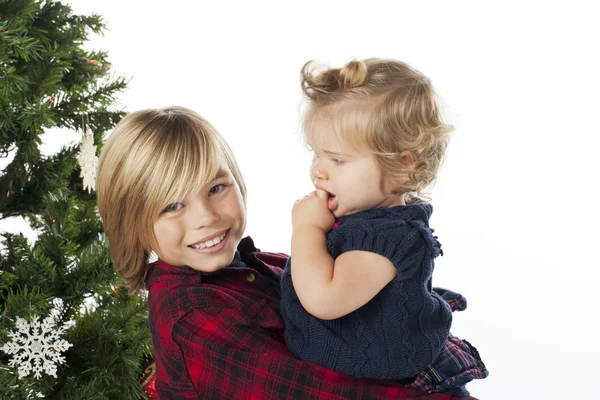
[(402, 242)]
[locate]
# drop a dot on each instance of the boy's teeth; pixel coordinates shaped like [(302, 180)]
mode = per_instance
[(210, 242)]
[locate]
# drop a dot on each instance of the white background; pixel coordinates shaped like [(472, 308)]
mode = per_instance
[(515, 202)]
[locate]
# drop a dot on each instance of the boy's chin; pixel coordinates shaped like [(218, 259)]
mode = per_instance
[(209, 268), (214, 263)]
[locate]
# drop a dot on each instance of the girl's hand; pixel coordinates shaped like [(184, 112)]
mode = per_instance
[(312, 210)]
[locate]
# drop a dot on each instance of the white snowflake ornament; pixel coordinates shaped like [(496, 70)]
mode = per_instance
[(88, 161), (36, 347)]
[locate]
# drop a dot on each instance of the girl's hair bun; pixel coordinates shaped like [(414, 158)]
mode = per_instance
[(316, 84), (353, 75)]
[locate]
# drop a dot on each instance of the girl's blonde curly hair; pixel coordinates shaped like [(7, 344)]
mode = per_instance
[(382, 107)]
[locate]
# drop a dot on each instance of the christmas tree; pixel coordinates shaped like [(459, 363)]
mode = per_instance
[(68, 329)]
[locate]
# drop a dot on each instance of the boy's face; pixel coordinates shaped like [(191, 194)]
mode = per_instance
[(352, 179), (203, 230)]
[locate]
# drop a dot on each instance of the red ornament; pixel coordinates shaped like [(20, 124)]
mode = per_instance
[(148, 379), (52, 98)]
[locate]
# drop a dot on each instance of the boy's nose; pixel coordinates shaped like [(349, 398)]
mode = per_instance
[(204, 215)]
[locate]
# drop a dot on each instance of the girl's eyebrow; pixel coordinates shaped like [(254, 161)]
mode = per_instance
[(333, 153)]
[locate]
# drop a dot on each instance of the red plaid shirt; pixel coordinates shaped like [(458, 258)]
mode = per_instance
[(220, 336)]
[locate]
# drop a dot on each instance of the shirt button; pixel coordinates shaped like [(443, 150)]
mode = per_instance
[(250, 277)]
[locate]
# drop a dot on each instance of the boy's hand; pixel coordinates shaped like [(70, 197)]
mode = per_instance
[(312, 210)]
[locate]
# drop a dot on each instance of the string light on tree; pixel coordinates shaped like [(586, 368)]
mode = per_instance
[(96, 62)]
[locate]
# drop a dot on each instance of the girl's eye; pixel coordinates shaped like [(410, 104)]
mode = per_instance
[(173, 207), (216, 189), (337, 161)]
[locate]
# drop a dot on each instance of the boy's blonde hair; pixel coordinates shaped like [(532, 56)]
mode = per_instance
[(153, 158), (382, 107)]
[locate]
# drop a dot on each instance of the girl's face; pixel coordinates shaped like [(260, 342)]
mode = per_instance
[(352, 179), (203, 230)]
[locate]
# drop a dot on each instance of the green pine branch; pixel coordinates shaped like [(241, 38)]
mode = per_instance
[(48, 81), (68, 271)]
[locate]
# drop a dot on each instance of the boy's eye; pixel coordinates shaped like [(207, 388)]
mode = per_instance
[(216, 189), (173, 207), (337, 161)]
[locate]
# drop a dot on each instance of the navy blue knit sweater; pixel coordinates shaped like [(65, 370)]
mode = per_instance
[(403, 328)]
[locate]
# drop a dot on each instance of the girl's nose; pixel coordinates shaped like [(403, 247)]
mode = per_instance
[(316, 172)]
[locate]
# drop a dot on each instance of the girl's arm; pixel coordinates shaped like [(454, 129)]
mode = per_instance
[(330, 289)]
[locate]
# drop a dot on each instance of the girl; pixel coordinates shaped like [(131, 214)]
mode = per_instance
[(168, 183), (358, 296)]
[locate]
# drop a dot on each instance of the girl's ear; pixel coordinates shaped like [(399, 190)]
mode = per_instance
[(408, 161), (408, 158)]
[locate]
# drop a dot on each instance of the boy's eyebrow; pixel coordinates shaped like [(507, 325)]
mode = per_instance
[(221, 173)]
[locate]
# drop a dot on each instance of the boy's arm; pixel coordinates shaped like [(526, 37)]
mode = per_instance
[(226, 355), (330, 289)]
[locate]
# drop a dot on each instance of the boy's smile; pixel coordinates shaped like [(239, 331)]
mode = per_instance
[(209, 244), (203, 230)]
